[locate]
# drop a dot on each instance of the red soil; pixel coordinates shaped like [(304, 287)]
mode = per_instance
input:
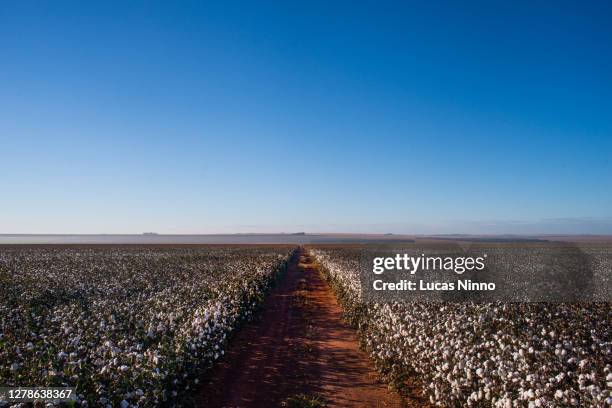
[(298, 345)]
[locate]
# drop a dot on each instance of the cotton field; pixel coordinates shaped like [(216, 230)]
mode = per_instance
[(486, 355), (125, 326)]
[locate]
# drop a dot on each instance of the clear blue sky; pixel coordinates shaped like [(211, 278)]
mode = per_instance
[(182, 117)]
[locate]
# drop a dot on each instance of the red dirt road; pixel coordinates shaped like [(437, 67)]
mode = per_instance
[(298, 345)]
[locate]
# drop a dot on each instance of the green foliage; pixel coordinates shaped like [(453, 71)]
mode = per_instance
[(304, 401)]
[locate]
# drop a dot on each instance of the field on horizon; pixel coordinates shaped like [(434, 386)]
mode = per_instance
[(141, 326)]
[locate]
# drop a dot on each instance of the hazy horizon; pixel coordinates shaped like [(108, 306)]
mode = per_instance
[(543, 227)]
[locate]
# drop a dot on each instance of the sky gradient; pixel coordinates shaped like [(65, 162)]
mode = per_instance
[(485, 117)]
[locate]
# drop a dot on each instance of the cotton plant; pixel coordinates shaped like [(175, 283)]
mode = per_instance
[(126, 327), (490, 354)]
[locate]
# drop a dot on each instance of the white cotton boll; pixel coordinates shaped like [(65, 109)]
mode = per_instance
[(124, 404), (444, 344)]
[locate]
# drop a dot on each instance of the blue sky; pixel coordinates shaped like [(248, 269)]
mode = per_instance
[(187, 117)]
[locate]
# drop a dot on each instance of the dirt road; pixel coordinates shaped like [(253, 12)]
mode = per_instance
[(298, 345)]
